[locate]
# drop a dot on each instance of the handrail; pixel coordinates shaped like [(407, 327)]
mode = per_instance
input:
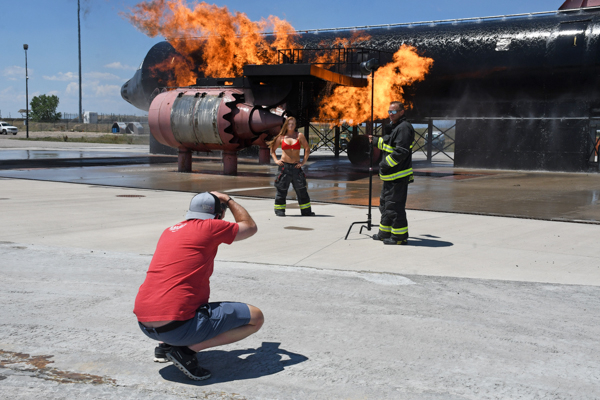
[(441, 21), (420, 23)]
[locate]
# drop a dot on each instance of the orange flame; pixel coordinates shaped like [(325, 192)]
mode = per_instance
[(354, 104), (181, 71), (226, 41)]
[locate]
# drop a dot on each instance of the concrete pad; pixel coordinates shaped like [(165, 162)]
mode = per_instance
[(441, 244)]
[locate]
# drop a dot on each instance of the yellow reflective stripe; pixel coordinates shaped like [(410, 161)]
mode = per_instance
[(304, 206), (280, 206), (399, 231), (387, 147), (391, 161), (384, 228), (397, 175)]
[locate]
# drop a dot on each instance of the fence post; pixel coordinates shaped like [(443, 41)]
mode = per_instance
[(306, 133), (337, 142), (429, 140)]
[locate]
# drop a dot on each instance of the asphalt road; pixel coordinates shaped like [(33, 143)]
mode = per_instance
[(328, 334)]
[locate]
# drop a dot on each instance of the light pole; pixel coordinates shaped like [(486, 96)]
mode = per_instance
[(79, 41), (25, 47)]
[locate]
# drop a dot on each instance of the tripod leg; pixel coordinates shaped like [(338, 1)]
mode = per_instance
[(349, 229), (368, 226)]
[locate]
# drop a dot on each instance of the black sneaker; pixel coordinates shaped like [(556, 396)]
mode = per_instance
[(187, 363), (160, 352), (394, 241)]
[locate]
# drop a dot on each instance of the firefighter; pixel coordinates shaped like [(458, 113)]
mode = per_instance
[(395, 170)]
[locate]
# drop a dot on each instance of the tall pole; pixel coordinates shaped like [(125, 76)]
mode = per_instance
[(79, 40), (25, 47)]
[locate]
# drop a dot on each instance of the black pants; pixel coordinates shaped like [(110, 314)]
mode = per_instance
[(288, 173), (392, 203)]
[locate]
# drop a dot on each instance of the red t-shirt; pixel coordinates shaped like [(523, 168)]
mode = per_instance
[(177, 282)]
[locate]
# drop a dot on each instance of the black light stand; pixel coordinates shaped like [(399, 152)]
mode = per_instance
[(80, 119), (366, 67)]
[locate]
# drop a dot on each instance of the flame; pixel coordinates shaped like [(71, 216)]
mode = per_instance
[(181, 71), (226, 41), (214, 42), (351, 103)]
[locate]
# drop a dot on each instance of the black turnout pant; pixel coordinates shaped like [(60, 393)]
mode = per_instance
[(392, 203), (288, 173)]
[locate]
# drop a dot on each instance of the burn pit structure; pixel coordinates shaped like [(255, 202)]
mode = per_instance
[(523, 89), (231, 114)]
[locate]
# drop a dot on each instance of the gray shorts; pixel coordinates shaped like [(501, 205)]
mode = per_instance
[(210, 320)]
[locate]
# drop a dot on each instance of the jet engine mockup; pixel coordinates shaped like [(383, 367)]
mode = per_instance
[(524, 90), (225, 114), (192, 119)]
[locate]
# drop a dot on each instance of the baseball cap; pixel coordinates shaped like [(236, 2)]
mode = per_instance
[(202, 206)]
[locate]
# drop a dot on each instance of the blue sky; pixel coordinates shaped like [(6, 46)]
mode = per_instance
[(112, 48)]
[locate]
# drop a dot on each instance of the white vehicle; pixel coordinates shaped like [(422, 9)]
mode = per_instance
[(6, 128), (439, 140)]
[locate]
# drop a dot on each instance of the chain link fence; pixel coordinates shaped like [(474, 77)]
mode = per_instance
[(70, 123)]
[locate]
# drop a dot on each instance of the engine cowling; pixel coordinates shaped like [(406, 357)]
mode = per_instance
[(205, 119)]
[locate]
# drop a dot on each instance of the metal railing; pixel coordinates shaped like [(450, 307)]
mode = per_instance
[(427, 143), (594, 149), (442, 21), (418, 23), (342, 60)]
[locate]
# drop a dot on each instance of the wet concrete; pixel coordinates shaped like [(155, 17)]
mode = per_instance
[(571, 197), (20, 154), (20, 159)]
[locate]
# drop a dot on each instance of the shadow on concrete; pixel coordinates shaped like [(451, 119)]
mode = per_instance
[(311, 216), (426, 241), (228, 366), (429, 241)]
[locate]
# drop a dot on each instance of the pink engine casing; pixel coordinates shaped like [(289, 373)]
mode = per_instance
[(205, 119)]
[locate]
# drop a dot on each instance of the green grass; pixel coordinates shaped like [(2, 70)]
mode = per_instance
[(106, 139)]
